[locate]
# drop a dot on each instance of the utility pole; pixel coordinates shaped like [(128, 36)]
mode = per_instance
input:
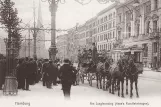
[(25, 45), (29, 43), (53, 8), (34, 34)]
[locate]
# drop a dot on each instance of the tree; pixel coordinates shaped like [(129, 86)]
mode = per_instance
[(9, 18)]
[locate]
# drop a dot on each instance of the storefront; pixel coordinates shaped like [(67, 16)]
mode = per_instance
[(134, 50)]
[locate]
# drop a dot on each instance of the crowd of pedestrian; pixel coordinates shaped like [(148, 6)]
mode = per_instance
[(30, 71)]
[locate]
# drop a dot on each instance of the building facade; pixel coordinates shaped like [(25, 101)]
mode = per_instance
[(106, 29), (81, 31), (123, 26), (91, 32), (140, 26), (61, 43)]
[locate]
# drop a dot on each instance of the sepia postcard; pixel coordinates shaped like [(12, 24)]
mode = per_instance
[(80, 53)]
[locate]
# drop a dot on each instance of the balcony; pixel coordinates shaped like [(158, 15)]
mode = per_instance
[(154, 35)]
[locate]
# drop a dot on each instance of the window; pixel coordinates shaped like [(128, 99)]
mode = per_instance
[(155, 26), (113, 34), (106, 46), (155, 4), (145, 50), (104, 27), (106, 36), (110, 35), (155, 47), (113, 23), (129, 31), (119, 35), (109, 25), (148, 27), (105, 18), (138, 29), (148, 7), (86, 34), (120, 18), (102, 20)]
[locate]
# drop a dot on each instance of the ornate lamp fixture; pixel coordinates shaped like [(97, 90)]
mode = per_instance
[(136, 3)]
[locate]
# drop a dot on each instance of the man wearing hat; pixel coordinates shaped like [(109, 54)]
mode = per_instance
[(66, 74), (51, 73), (44, 68)]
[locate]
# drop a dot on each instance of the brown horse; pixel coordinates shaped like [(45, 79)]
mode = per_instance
[(132, 71), (133, 77), (117, 76), (102, 73)]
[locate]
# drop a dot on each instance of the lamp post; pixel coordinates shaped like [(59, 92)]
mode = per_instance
[(10, 85), (53, 8), (53, 5)]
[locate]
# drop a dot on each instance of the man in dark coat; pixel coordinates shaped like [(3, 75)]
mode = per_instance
[(51, 73), (74, 74), (44, 68), (66, 74), (2, 72), (38, 73), (27, 73), (94, 54), (55, 73), (20, 74)]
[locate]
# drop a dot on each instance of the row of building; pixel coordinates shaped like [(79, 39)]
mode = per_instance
[(132, 24)]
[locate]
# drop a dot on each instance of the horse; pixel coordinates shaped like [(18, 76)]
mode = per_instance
[(133, 73), (117, 75), (91, 71), (82, 72), (102, 74)]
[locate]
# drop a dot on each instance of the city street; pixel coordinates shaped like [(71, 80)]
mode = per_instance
[(149, 91), (42, 41)]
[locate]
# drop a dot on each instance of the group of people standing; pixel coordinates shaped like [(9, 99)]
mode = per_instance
[(2, 71), (27, 72), (30, 71)]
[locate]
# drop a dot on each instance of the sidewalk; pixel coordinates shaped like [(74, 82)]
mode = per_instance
[(148, 73)]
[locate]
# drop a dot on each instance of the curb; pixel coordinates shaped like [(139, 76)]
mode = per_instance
[(150, 78)]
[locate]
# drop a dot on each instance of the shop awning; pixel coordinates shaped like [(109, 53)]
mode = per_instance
[(134, 48)]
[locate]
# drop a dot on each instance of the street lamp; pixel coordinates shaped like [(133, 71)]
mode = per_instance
[(10, 85), (136, 3), (53, 8), (53, 5)]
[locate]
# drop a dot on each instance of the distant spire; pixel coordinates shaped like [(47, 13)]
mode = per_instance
[(40, 21), (41, 50)]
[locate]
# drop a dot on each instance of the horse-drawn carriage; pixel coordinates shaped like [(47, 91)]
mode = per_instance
[(83, 65), (109, 73), (88, 66)]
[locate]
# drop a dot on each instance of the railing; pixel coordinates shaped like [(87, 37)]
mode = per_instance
[(154, 35)]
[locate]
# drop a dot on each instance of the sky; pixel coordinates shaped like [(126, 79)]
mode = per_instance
[(67, 15)]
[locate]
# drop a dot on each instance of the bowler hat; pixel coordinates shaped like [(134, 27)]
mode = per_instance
[(66, 61)]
